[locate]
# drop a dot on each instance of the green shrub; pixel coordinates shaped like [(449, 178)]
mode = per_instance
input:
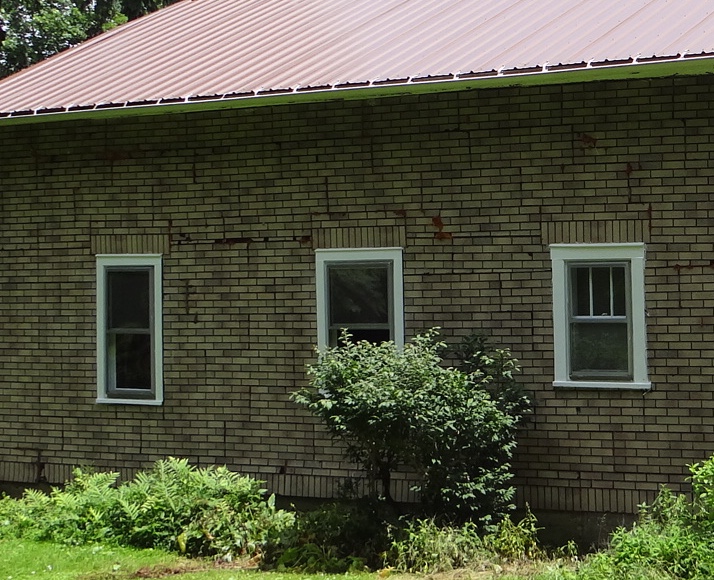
[(478, 357), (174, 506), (599, 566), (199, 511), (702, 478), (395, 408), (78, 514), (673, 548), (20, 517), (342, 537), (650, 551), (672, 535)]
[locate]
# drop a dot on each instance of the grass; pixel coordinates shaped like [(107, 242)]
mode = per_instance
[(23, 559), (28, 560)]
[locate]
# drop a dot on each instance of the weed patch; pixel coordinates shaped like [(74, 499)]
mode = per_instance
[(672, 540)]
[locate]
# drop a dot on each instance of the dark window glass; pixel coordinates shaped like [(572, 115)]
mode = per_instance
[(581, 291), (599, 342), (358, 294), (619, 291), (129, 299), (133, 361), (601, 291)]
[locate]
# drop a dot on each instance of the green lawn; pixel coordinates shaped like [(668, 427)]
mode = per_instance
[(28, 560), (24, 559)]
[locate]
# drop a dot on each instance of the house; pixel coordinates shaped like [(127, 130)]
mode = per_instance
[(182, 197)]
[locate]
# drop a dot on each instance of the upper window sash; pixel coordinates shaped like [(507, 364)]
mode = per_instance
[(591, 299), (360, 298), (566, 256), (122, 324), (389, 258)]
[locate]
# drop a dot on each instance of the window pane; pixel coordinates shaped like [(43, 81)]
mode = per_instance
[(129, 295), (599, 349), (580, 278), (358, 294), (619, 291), (132, 361), (601, 292)]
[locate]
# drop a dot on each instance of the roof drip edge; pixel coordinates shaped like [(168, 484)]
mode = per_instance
[(646, 67)]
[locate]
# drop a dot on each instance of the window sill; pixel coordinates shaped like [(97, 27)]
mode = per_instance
[(614, 385), (148, 402)]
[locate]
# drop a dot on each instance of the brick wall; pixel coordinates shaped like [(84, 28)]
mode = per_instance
[(474, 186)]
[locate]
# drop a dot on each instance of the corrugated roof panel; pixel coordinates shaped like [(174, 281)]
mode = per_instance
[(201, 48)]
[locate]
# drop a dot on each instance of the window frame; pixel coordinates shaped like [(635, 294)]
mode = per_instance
[(324, 258), (566, 256), (106, 394)]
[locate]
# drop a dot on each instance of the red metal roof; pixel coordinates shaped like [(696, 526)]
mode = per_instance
[(234, 49)]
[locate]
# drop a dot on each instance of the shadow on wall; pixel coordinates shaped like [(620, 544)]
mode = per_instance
[(587, 530), (16, 489)]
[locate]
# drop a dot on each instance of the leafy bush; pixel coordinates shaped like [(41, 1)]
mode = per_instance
[(650, 551), (673, 535), (396, 408), (200, 511), (348, 537), (174, 506), (478, 357), (703, 490), (79, 514)]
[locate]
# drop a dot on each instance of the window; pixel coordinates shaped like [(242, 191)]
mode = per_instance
[(599, 316), (129, 341), (360, 290)]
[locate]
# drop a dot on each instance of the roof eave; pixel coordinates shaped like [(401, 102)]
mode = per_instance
[(680, 66)]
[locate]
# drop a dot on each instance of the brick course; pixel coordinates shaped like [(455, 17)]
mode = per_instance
[(474, 185)]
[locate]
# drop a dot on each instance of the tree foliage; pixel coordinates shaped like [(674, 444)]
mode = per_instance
[(397, 409), (32, 30)]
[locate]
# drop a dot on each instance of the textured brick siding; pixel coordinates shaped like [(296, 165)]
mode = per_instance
[(474, 186)]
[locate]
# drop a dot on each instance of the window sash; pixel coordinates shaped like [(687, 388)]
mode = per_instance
[(115, 387), (595, 350), (614, 303), (591, 357), (336, 324), (119, 368)]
